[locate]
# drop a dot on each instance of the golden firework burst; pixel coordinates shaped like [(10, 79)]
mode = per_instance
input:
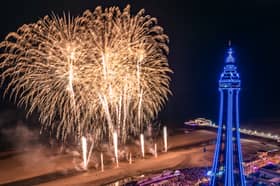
[(100, 72)]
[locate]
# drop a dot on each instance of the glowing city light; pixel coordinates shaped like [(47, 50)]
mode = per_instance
[(242, 130)]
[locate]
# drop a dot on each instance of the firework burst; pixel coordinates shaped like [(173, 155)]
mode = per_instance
[(98, 73)]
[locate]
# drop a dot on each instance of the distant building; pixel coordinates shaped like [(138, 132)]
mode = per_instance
[(267, 175)]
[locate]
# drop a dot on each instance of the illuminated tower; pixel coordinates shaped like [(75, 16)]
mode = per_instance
[(227, 166)]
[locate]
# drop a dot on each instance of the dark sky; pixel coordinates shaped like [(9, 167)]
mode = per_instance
[(198, 31)]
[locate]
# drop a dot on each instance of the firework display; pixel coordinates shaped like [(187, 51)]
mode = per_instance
[(102, 72)]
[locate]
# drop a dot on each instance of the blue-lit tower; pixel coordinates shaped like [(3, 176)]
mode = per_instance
[(227, 168)]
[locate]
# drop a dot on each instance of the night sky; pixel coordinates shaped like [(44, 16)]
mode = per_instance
[(199, 32)]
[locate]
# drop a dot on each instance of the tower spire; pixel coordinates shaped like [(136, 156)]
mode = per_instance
[(230, 58)]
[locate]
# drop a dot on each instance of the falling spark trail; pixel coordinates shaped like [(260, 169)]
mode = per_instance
[(165, 138), (130, 158), (140, 93), (70, 83), (115, 143), (104, 103), (84, 151), (142, 145), (90, 152), (140, 107), (156, 151), (102, 162)]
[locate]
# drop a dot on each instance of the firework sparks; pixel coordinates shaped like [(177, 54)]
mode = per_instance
[(142, 145), (115, 143), (84, 151), (100, 72), (165, 138), (102, 162)]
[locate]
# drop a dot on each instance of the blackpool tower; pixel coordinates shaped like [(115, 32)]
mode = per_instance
[(227, 168)]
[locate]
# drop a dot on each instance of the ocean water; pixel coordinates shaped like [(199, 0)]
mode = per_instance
[(263, 125)]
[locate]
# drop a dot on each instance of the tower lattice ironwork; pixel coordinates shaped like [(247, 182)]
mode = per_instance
[(227, 168)]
